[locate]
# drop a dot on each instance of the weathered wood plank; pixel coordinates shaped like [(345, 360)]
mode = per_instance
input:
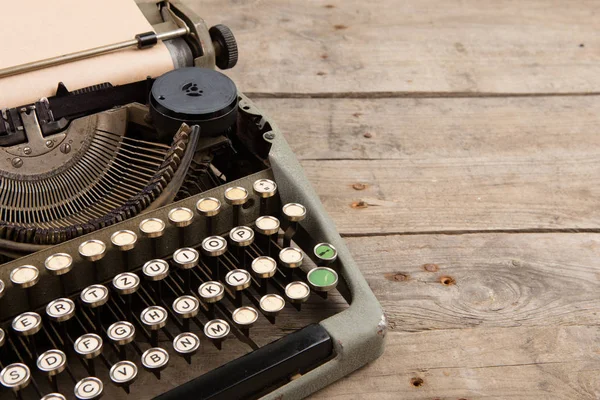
[(429, 282), (410, 47), (433, 165), (516, 363)]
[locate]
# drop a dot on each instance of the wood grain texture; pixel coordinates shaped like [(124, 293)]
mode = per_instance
[(383, 47), (438, 165)]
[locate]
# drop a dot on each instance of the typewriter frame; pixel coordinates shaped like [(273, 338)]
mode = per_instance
[(353, 348)]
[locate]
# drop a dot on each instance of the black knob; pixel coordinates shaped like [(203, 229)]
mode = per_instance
[(226, 49)]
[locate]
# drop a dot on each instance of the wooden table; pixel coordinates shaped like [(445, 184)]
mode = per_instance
[(457, 147)]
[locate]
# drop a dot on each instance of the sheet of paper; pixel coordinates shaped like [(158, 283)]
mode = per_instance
[(37, 29)]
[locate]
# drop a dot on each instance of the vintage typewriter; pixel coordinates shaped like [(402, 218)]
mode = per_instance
[(148, 229)]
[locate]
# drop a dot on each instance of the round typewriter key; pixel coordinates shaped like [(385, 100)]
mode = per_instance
[(186, 344), (126, 283), (236, 196), (59, 264), (155, 360), (238, 279), (241, 236), (294, 212), (2, 337), (89, 388), (52, 362), (15, 376), (27, 324), (298, 292), (186, 306), (325, 253), (94, 296), (154, 317), (54, 396), (322, 279), (25, 276), (216, 330), (244, 317), (264, 188), (214, 246), (123, 373), (92, 250), (264, 267), (267, 225), (60, 310), (186, 258), (208, 206), (181, 217), (291, 257), (121, 333), (152, 227), (211, 291), (124, 240), (271, 304), (88, 346), (156, 270)]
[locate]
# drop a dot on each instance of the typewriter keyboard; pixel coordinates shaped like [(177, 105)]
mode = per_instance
[(144, 306)]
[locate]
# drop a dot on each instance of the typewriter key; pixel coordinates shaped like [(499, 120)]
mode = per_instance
[(25, 276), (92, 250), (216, 330), (15, 376), (54, 396), (186, 259), (244, 318), (181, 217), (237, 197), (155, 318), (59, 264), (265, 189), (89, 388), (52, 362), (124, 240), (27, 324), (60, 310), (88, 346), (241, 237), (325, 253), (155, 360), (152, 228), (186, 307), (290, 257), (123, 374), (121, 333), (298, 292), (209, 207), (214, 247), (156, 270), (126, 283), (211, 292), (322, 279), (263, 268), (294, 213), (239, 280), (94, 296), (271, 305), (186, 344), (268, 228)]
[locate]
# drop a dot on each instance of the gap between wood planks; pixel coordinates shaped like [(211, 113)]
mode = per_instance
[(405, 95), (474, 231)]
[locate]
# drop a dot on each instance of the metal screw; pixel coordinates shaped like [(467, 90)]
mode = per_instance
[(17, 162), (49, 143), (27, 151), (65, 148), (269, 136)]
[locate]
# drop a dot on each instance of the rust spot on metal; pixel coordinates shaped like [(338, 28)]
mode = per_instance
[(417, 382), (340, 27), (359, 204), (431, 267), (359, 186), (368, 135), (396, 276), (447, 280)]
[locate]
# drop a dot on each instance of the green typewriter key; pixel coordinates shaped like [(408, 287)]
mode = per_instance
[(15, 377), (121, 333), (58, 265), (290, 258), (265, 189), (25, 277), (244, 318), (186, 344), (268, 228), (217, 330), (181, 217), (186, 259), (264, 268), (214, 247), (123, 374), (89, 346), (125, 241), (155, 318), (293, 213), (322, 279), (271, 305), (325, 253), (52, 363), (209, 207), (238, 280), (90, 388), (236, 197), (155, 360)]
